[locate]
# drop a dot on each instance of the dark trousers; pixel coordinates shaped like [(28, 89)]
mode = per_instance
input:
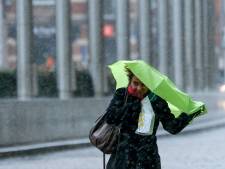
[(135, 152)]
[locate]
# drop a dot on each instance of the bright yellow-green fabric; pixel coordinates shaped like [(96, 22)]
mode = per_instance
[(158, 83)]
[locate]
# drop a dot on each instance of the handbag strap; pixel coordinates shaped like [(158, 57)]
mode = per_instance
[(103, 160), (125, 102), (101, 117), (126, 96)]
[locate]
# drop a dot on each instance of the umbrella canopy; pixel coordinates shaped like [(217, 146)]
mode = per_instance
[(158, 83)]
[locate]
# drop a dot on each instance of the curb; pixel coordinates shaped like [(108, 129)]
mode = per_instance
[(82, 143), (43, 148)]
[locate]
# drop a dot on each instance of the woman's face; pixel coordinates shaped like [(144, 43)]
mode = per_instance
[(138, 86)]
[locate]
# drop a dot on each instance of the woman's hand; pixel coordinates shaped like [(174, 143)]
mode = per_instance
[(195, 114)]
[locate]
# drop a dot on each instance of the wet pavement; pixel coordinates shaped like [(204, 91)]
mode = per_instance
[(197, 150), (191, 149)]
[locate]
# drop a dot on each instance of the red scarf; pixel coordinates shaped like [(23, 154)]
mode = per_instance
[(132, 91)]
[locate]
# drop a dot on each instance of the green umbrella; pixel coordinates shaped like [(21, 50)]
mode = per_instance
[(158, 83)]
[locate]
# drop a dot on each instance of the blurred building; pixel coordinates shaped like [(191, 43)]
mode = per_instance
[(44, 34), (44, 29)]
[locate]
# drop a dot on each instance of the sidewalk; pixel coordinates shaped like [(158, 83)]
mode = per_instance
[(198, 125), (197, 150)]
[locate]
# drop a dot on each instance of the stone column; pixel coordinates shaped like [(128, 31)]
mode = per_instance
[(63, 49), (205, 46), (163, 36), (177, 43), (212, 58), (24, 49), (198, 45), (96, 50), (2, 36), (145, 30), (189, 44), (122, 29)]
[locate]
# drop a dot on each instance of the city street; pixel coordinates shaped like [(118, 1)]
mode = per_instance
[(196, 151), (61, 62)]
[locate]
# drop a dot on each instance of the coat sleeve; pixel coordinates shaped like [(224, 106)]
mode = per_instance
[(169, 122), (116, 107)]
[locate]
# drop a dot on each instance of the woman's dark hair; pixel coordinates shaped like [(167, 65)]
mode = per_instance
[(129, 74)]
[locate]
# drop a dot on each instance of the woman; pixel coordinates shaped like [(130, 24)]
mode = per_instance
[(136, 151)]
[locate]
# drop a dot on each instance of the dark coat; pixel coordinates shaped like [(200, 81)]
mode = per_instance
[(137, 151)]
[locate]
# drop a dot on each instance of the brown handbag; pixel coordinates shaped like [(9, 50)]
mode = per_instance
[(104, 136)]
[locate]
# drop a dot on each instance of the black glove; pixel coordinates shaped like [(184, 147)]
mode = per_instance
[(193, 115)]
